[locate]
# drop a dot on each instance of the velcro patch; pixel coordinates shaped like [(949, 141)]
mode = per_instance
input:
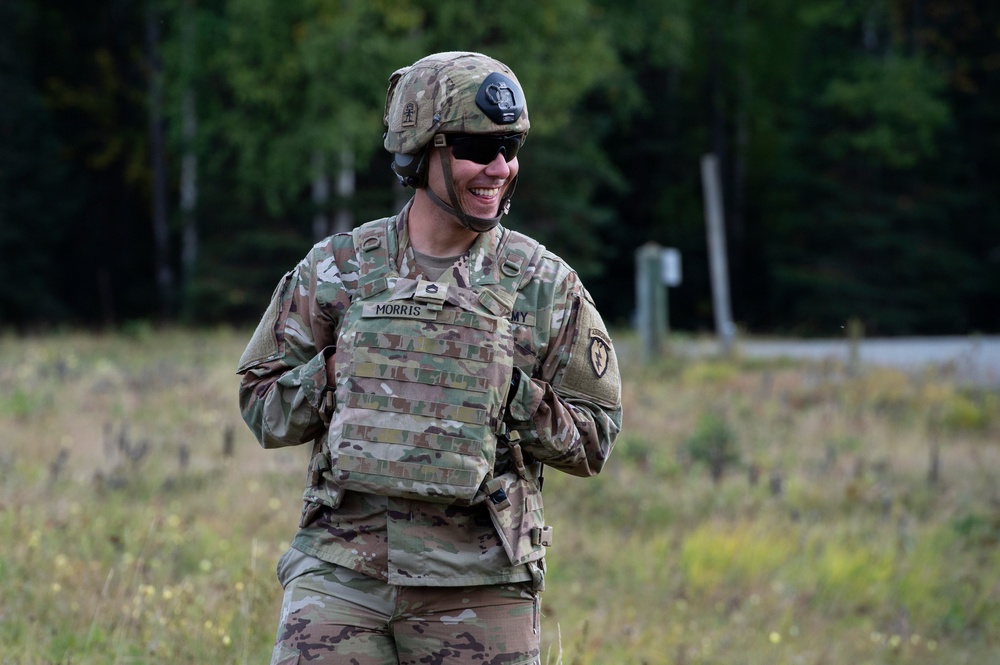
[(592, 370), (264, 344)]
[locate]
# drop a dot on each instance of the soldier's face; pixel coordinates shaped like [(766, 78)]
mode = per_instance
[(479, 187)]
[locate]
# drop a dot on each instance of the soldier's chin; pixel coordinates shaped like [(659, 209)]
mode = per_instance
[(481, 211), (485, 207)]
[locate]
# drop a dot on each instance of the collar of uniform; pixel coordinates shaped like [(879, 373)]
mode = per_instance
[(479, 267), (482, 261)]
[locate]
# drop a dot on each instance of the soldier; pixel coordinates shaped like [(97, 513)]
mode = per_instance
[(437, 361)]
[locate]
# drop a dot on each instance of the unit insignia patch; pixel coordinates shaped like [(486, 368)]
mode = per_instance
[(600, 352)]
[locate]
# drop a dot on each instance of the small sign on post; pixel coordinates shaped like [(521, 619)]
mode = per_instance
[(670, 264), (670, 274)]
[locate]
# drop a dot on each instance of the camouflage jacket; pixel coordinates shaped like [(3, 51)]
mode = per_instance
[(567, 410)]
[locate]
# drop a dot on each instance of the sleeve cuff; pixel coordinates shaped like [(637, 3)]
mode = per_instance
[(314, 378), (526, 400)]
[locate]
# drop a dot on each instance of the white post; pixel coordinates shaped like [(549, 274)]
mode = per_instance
[(714, 224)]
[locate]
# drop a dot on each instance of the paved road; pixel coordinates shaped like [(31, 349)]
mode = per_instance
[(974, 359)]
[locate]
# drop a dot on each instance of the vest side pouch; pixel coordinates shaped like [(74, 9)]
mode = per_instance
[(515, 507)]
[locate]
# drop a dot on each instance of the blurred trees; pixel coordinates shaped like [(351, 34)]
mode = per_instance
[(857, 139)]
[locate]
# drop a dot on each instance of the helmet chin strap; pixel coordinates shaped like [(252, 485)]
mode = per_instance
[(477, 224)]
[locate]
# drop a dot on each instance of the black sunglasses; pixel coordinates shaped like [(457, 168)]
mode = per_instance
[(481, 148)]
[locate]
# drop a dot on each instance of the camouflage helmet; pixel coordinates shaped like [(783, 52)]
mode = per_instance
[(451, 92)]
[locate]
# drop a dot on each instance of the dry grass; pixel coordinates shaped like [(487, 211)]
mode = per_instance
[(132, 534)]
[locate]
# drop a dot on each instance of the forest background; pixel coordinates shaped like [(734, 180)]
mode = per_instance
[(168, 160)]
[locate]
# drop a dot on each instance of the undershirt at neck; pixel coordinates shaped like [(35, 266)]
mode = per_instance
[(434, 266)]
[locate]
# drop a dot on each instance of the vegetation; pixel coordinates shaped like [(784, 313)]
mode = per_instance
[(170, 159), (142, 523)]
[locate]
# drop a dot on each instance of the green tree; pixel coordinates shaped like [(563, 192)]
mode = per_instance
[(287, 91)]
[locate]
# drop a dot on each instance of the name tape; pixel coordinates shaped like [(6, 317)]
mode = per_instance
[(398, 311)]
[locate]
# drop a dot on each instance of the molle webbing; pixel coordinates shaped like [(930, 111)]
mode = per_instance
[(449, 348), (416, 439), (425, 376), (436, 410)]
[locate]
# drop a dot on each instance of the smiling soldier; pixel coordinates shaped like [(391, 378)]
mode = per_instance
[(437, 361)]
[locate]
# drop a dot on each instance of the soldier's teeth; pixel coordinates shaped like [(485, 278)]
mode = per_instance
[(485, 192)]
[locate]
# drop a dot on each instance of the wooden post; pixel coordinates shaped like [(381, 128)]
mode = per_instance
[(651, 299), (718, 261)]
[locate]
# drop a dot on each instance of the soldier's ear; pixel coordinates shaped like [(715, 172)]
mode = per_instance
[(411, 170)]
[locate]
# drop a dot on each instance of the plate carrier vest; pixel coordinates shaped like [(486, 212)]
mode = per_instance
[(422, 371)]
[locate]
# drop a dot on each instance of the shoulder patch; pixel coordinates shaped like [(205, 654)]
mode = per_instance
[(592, 370)]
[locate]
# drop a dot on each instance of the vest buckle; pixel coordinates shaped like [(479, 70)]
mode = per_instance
[(541, 535)]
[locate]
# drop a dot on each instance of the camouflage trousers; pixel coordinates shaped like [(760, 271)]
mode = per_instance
[(331, 614)]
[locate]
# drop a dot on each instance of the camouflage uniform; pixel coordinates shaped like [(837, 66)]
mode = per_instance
[(372, 549)]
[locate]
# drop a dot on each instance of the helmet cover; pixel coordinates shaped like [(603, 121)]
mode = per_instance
[(449, 93)]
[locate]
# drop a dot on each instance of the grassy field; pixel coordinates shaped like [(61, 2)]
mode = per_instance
[(752, 513)]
